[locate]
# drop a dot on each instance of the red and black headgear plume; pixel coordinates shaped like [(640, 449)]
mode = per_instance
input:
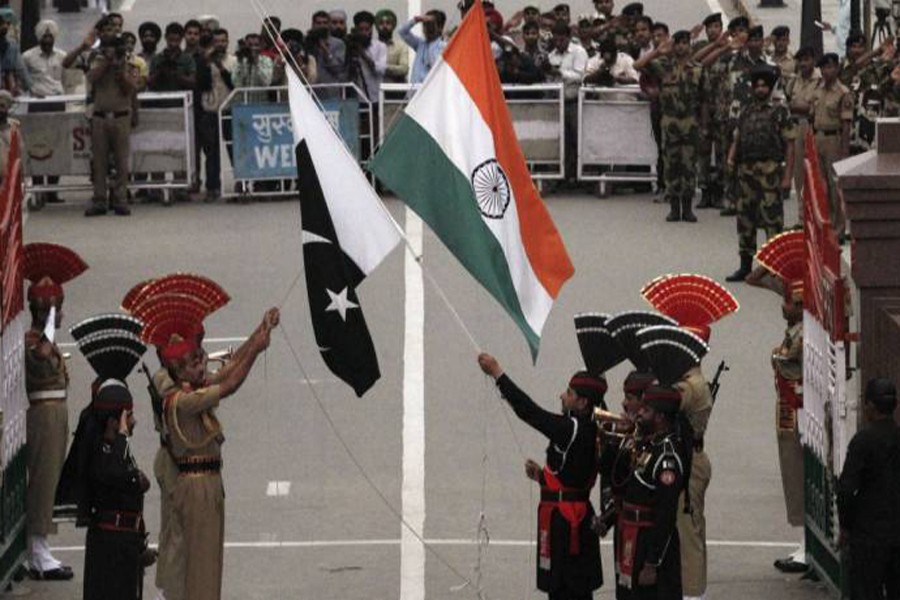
[(48, 267), (670, 351), (172, 323), (785, 257), (599, 349), (695, 301), (625, 325), (203, 288)]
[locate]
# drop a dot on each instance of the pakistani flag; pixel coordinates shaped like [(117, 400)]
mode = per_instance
[(347, 232), (453, 157)]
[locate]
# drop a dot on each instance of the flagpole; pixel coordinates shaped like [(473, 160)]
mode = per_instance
[(275, 35)]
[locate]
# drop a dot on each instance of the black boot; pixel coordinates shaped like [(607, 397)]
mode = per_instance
[(743, 271), (687, 214), (705, 198), (675, 212)]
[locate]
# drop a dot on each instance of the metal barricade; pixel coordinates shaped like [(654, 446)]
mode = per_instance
[(615, 136), (537, 116), (57, 138), (256, 133)]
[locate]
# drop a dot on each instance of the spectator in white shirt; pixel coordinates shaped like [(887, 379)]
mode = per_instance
[(567, 62), (610, 67)]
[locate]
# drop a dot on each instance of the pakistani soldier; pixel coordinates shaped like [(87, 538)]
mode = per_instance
[(832, 115), (784, 257), (648, 543), (47, 267), (679, 98), (108, 486), (568, 565), (173, 324), (762, 154)]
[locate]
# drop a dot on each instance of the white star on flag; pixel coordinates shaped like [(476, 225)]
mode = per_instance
[(340, 303)]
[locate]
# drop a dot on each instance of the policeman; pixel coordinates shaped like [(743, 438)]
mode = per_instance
[(47, 267), (868, 495), (196, 434), (799, 93), (763, 156), (781, 57), (108, 486), (568, 547), (648, 542), (680, 98), (832, 115)]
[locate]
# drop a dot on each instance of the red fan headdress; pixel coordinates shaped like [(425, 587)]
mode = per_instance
[(172, 323), (204, 289), (695, 301), (48, 266), (785, 256)]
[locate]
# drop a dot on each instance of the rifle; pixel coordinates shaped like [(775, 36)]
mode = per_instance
[(157, 402), (715, 385)]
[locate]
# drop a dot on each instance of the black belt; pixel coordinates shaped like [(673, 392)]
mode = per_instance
[(828, 132), (635, 515), (200, 467), (565, 495), (111, 114), (119, 520)]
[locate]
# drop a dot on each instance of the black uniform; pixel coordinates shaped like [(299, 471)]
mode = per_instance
[(869, 509), (568, 564), (616, 470), (115, 538), (646, 528)]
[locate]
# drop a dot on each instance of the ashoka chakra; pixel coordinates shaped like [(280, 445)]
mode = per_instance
[(491, 189)]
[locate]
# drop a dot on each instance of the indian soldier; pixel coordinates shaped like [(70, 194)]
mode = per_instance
[(708, 174), (195, 432), (868, 494), (680, 97), (648, 542), (799, 93), (762, 154), (695, 302), (47, 267), (781, 56), (784, 257), (568, 563), (832, 116), (106, 482)]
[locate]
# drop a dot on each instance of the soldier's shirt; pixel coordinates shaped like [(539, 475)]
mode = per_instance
[(194, 429), (739, 73), (773, 123), (800, 92), (681, 87), (831, 106), (790, 366), (787, 65), (696, 400)]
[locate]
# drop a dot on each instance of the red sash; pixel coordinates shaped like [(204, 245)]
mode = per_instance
[(788, 392), (573, 511), (627, 530)]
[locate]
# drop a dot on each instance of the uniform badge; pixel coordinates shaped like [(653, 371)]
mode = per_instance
[(667, 477)]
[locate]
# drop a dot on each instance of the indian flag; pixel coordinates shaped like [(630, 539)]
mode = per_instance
[(453, 158)]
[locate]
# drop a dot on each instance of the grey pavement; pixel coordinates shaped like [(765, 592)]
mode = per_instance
[(333, 535)]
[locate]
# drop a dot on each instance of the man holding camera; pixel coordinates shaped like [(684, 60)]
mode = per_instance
[(113, 79), (254, 69), (367, 56), (330, 52)]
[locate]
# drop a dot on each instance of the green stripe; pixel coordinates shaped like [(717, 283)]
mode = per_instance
[(412, 165)]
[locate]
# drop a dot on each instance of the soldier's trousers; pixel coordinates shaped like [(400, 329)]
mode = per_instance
[(47, 433), (692, 528), (199, 504), (725, 137), (790, 459), (829, 148), (110, 134), (760, 205), (709, 161), (170, 565), (799, 168), (679, 145)]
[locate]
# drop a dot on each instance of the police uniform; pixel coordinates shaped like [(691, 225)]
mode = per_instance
[(799, 92), (681, 84), (568, 561), (832, 108), (646, 527), (47, 267)]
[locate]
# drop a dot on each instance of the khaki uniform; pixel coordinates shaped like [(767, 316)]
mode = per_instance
[(171, 561), (790, 451), (110, 131), (198, 498), (696, 404), (787, 65), (800, 92), (832, 107), (47, 433), (6, 131)]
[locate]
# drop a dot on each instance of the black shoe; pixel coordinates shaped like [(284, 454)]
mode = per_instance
[(674, 210), (789, 565), (810, 575), (705, 199), (121, 210), (728, 211), (62, 573), (95, 211), (744, 270), (687, 215)]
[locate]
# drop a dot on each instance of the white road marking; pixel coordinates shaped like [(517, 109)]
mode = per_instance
[(278, 488), (438, 542), (412, 552)]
